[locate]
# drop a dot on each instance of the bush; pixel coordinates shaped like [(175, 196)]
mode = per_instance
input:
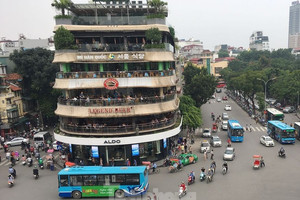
[(62, 16), (63, 39), (154, 46)]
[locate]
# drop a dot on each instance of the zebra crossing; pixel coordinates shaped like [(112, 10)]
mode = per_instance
[(256, 129), (214, 101), (6, 162)]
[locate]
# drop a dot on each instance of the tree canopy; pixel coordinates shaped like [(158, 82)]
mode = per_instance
[(198, 84), (249, 72), (64, 39), (38, 72), (191, 113)]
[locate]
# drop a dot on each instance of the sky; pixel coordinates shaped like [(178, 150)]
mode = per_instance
[(213, 22)]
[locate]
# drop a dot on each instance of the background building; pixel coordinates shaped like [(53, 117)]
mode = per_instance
[(259, 42), (294, 26)]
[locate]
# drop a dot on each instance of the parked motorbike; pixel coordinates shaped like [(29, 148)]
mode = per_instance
[(182, 192)]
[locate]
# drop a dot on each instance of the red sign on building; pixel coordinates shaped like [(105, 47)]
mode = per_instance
[(111, 84)]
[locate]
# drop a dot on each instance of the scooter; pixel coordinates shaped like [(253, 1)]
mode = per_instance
[(10, 183), (191, 180), (202, 176), (182, 192), (209, 179), (282, 155), (224, 170), (41, 166), (29, 162), (36, 176)]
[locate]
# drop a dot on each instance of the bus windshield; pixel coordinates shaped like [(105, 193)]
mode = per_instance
[(288, 133), (237, 132)]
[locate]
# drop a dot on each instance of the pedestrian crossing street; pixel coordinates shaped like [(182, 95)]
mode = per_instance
[(5, 162)]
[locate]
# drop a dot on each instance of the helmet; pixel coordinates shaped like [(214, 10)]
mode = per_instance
[(35, 166), (225, 162), (182, 182)]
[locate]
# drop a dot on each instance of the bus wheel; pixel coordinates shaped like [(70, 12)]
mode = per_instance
[(119, 194), (76, 194)]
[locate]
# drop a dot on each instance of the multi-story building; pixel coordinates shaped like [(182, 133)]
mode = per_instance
[(294, 25), (259, 42), (11, 105), (119, 96)]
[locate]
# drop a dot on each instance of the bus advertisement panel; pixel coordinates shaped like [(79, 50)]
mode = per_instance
[(274, 114), (98, 181), (281, 132), (235, 131)]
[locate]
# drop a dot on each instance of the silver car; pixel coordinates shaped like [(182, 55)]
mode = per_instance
[(16, 141), (215, 141), (204, 146), (224, 125), (229, 154)]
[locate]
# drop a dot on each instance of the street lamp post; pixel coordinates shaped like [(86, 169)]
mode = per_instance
[(266, 82)]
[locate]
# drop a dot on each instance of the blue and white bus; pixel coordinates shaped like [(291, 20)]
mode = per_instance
[(235, 131), (281, 132), (97, 181)]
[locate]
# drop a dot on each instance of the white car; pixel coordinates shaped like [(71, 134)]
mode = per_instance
[(206, 133), (215, 141), (204, 146), (267, 141), (224, 125), (218, 99), (227, 108)]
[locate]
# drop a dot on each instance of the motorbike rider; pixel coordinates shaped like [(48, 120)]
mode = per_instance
[(192, 174), (154, 166), (213, 166), (210, 173), (10, 178), (281, 151), (35, 171), (12, 171), (183, 186), (225, 165), (41, 162), (179, 164), (29, 160)]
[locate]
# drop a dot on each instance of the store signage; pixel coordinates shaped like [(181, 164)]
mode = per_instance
[(165, 143), (95, 152), (135, 150), (111, 84), (110, 57), (109, 110), (112, 141)]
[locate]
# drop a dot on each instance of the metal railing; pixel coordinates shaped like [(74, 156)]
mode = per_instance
[(129, 129), (115, 102), (115, 74)]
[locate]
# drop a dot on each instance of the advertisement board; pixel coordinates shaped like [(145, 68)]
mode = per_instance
[(135, 150), (95, 152), (165, 143)]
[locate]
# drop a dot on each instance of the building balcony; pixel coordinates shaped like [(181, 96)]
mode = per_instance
[(116, 102), (125, 79), (7, 95), (122, 130), (115, 111)]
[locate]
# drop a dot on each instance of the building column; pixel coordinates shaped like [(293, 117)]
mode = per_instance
[(101, 68), (160, 66), (86, 67), (125, 66), (148, 66)]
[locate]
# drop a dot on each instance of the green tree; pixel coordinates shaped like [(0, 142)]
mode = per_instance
[(201, 88), (62, 5), (38, 72), (63, 39), (223, 53), (260, 97), (189, 72), (191, 114), (158, 5), (154, 35)]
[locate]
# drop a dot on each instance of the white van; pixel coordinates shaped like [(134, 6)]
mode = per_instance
[(42, 137)]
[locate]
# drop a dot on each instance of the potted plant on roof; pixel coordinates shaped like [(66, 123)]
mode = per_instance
[(62, 5), (64, 39), (160, 12)]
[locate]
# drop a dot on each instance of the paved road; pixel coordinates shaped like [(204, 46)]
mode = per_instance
[(278, 180)]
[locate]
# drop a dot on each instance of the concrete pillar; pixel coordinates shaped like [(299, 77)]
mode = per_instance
[(160, 66), (125, 66)]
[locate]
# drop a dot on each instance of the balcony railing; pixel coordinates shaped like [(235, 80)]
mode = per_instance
[(116, 102), (97, 47), (116, 20), (121, 129), (116, 74)]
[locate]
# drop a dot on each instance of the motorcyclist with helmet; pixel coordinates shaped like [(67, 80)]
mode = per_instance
[(12, 171), (225, 165), (281, 152), (35, 171), (183, 186), (213, 166), (192, 174)]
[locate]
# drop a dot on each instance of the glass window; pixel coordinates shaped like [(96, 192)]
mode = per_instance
[(118, 178), (101, 179), (90, 180), (132, 179), (76, 180), (64, 180)]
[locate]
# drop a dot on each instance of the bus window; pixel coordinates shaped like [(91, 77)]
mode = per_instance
[(132, 179), (101, 180), (118, 178), (90, 180), (64, 181), (76, 180), (107, 180)]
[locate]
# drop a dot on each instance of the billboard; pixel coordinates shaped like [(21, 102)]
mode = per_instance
[(135, 150)]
